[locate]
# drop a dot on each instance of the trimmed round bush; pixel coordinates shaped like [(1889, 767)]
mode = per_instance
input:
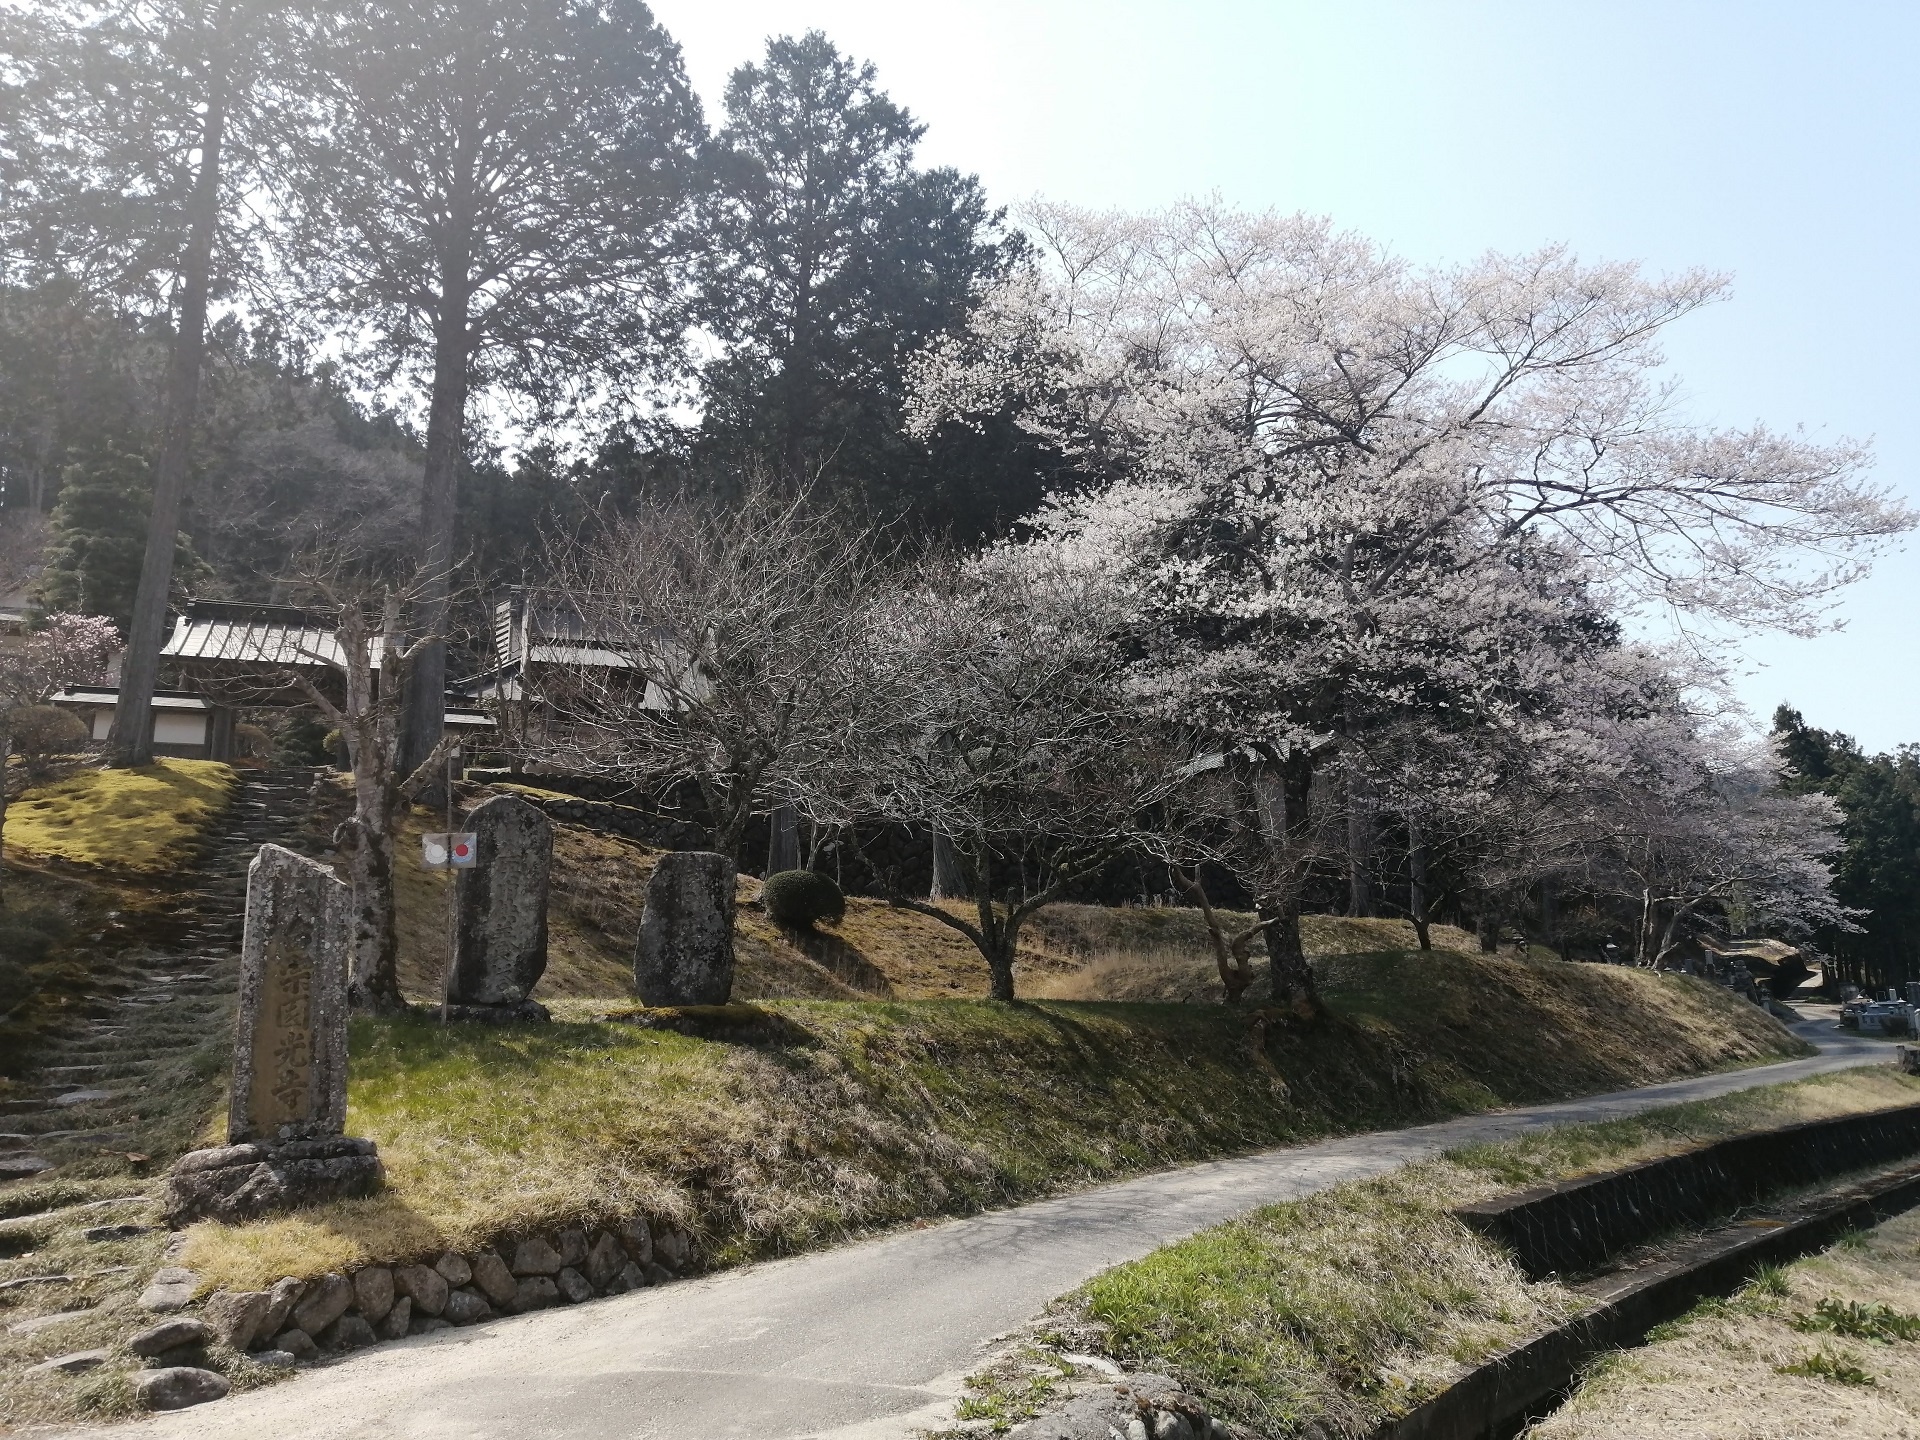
[(801, 898), (48, 730), (251, 742)]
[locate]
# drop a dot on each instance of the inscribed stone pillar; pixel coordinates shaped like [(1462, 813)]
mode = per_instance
[(290, 1056), (685, 953), (500, 934)]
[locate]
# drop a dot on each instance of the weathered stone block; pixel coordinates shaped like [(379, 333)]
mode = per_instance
[(453, 1269), (464, 1307), (281, 1298), (673, 1248), (373, 1292), (423, 1285), (500, 933), (573, 1286), (170, 1289), (297, 1343), (394, 1326), (326, 1301), (685, 951), (177, 1387), (536, 1292), (636, 1237), (572, 1245), (170, 1335), (536, 1257), (236, 1316), (604, 1261), (494, 1279), (349, 1332), (74, 1364), (631, 1277), (290, 1062)]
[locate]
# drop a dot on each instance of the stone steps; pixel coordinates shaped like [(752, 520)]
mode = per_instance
[(175, 996)]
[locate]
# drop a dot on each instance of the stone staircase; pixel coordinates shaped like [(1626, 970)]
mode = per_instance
[(168, 1004)]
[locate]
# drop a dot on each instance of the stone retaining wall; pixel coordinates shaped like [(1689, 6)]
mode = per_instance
[(298, 1320), (1575, 1225)]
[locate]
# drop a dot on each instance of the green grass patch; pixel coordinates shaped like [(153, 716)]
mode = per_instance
[(871, 1114), (1348, 1308), (142, 820)]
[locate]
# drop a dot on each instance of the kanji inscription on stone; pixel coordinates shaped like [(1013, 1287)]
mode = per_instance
[(290, 1072)]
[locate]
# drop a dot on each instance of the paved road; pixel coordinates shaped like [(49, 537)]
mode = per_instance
[(857, 1343)]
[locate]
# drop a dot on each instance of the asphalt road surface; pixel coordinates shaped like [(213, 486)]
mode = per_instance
[(867, 1341)]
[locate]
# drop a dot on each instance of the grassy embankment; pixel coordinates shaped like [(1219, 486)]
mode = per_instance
[(891, 1109), (1824, 1349), (1346, 1309), (86, 859), (881, 1112)]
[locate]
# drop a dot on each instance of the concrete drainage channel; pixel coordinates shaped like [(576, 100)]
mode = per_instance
[(1580, 1225)]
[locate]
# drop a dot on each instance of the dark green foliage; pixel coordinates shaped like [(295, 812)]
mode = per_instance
[(41, 730), (99, 538), (834, 261), (304, 740), (800, 898), (1879, 871), (1822, 1366), (1860, 1322)]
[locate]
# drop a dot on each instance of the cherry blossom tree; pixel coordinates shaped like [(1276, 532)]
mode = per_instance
[(1357, 494), (1002, 712)]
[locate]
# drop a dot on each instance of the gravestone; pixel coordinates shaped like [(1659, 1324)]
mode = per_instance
[(500, 926), (685, 952), (288, 1103)]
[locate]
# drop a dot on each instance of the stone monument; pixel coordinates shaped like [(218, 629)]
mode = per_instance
[(685, 953), (289, 1100), (500, 925)]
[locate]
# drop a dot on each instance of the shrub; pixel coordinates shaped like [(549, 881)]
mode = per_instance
[(48, 730), (303, 740), (799, 898), (251, 742)]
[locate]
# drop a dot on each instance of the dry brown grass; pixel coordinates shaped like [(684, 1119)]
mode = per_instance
[(1717, 1374)]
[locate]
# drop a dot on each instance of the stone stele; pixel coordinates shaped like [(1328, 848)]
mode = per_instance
[(500, 934), (289, 1099), (685, 953), (290, 1059)]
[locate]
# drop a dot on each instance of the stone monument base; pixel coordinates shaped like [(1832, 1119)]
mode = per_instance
[(522, 1012), (239, 1182)]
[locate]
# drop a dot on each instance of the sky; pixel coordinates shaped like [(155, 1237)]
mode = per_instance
[(1774, 142)]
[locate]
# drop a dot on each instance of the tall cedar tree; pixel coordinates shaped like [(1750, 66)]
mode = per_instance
[(490, 193), (1879, 870), (834, 260), (115, 155)]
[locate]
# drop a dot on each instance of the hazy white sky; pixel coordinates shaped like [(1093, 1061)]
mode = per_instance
[(1774, 141)]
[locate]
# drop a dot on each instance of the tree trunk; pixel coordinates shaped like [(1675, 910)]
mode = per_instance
[(949, 883), (783, 840), (1359, 848), (1417, 884), (6, 760), (1292, 976), (1000, 966), (131, 740), (373, 974), (426, 697), (1487, 924)]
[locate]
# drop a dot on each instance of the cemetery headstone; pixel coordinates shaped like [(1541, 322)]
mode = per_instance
[(289, 1098), (685, 951), (500, 925)]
